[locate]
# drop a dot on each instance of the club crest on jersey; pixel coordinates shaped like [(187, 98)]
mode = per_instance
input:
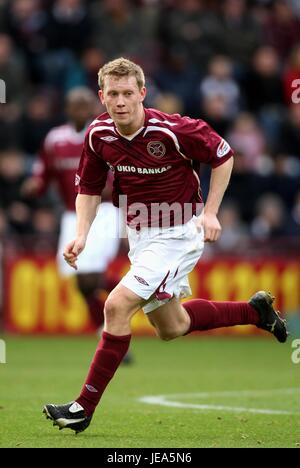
[(156, 149), (223, 148)]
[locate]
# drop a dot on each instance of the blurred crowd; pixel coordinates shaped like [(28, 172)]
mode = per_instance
[(231, 62)]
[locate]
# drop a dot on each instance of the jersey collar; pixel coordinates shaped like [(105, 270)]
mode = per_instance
[(133, 135)]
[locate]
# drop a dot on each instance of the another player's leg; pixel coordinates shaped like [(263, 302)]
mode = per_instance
[(120, 306), (91, 285), (173, 319), (95, 288)]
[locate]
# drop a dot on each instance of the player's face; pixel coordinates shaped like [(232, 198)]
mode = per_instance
[(123, 100)]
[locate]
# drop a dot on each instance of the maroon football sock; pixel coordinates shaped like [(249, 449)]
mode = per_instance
[(108, 356), (206, 315)]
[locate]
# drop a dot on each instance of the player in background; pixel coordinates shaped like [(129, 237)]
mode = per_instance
[(57, 163), (155, 157)]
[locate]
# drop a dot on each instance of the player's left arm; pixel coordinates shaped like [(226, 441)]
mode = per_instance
[(208, 219), (201, 143)]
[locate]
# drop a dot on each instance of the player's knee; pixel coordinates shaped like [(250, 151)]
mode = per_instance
[(168, 335), (115, 310), (111, 307)]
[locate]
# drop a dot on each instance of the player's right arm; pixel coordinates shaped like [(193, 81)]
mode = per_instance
[(86, 210), (90, 181)]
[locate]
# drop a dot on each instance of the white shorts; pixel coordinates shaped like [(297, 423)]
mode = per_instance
[(161, 260), (102, 243)]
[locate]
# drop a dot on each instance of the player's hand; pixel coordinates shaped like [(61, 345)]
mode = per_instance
[(72, 250), (211, 226)]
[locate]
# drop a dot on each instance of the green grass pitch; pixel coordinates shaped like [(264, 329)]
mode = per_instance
[(223, 374)]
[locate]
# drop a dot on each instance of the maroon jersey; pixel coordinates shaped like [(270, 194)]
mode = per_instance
[(159, 164)]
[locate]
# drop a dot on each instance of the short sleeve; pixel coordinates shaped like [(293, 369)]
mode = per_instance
[(198, 141), (92, 172)]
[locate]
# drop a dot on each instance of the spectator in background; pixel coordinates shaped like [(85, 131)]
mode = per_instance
[(270, 219), (69, 26), (247, 138), (178, 77), (282, 29), (4, 226), (220, 82), (289, 141), (153, 92), (12, 176), (214, 111), (263, 85), (45, 228), (26, 21), (91, 59), (284, 180), (192, 30), (264, 90), (168, 103), (44, 221), (115, 28), (241, 33), (234, 232), (13, 73), (2, 15), (295, 5), (260, 9), (67, 34), (244, 188), (37, 120), (10, 129), (12, 70), (294, 224)]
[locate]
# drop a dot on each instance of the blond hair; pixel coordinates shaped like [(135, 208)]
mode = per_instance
[(121, 67)]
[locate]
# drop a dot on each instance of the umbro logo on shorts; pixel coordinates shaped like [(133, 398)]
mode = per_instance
[(141, 280)]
